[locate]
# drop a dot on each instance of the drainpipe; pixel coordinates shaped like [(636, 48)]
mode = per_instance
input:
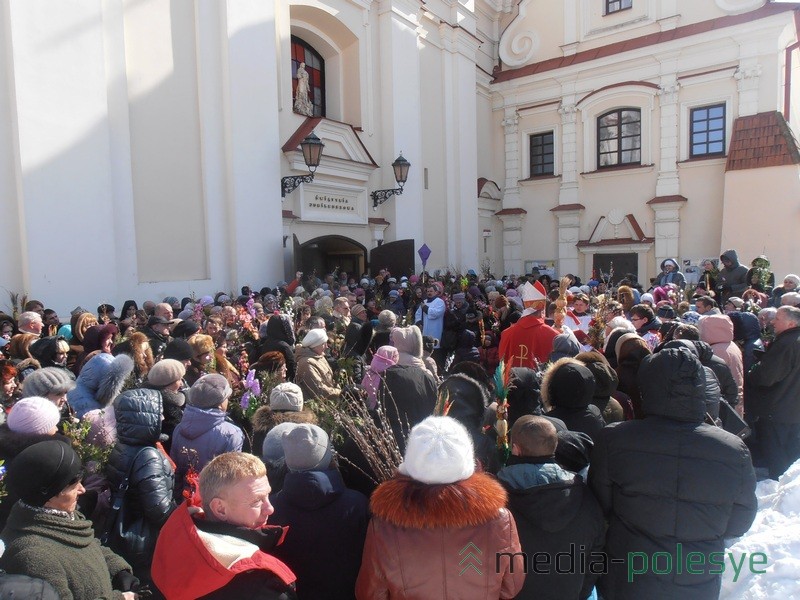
[(787, 89)]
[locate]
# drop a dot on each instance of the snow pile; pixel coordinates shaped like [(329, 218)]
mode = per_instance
[(776, 533)]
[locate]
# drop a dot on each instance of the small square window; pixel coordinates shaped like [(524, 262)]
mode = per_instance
[(707, 133), (613, 6), (542, 154)]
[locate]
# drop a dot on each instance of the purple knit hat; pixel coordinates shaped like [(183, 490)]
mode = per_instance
[(34, 415)]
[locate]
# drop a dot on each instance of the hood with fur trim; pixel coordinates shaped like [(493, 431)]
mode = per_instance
[(410, 504), (100, 381), (568, 383)]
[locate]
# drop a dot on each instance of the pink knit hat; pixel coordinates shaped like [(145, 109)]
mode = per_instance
[(34, 415)]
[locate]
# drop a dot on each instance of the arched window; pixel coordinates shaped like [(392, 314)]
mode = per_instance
[(619, 138), (315, 67)]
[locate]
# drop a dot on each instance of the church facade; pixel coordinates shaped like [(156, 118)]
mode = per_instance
[(143, 143)]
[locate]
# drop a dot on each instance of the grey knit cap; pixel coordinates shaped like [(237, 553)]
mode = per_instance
[(46, 381)]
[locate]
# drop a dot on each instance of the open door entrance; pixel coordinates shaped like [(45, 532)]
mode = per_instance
[(623, 263), (328, 253), (397, 256)]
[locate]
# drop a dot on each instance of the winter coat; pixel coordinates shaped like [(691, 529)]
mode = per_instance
[(527, 341), (62, 552), (605, 384), (668, 479), (202, 434), (280, 338), (747, 333), (22, 586), (524, 395), (574, 406), (152, 478), (315, 376), (675, 276), (773, 384), (384, 357), (469, 400), (323, 514), (100, 381), (408, 395), (555, 513), (731, 281), (727, 384), (11, 444), (711, 387), (466, 351), (717, 331), (632, 352), (158, 343), (415, 550), (197, 558)]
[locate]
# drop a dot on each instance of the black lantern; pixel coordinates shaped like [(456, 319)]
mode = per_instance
[(400, 167), (312, 154)]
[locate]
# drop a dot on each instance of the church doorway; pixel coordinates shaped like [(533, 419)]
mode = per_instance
[(328, 253)]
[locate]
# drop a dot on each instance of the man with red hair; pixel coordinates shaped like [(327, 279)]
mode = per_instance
[(529, 340)]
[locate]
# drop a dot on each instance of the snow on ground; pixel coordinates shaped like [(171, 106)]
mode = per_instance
[(776, 533)]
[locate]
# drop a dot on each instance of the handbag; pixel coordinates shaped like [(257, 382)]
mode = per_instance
[(731, 421), (128, 536)]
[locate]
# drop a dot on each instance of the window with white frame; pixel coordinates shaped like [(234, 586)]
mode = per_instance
[(613, 6), (619, 138), (707, 131), (542, 155)]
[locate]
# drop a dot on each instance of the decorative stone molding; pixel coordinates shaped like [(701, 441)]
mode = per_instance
[(747, 72), (377, 226), (519, 43), (747, 80), (739, 6)]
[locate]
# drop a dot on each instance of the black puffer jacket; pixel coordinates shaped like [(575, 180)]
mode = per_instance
[(152, 478), (668, 479), (172, 404), (711, 386), (280, 338), (408, 395), (469, 401)]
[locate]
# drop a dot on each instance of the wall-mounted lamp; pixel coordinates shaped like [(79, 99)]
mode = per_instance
[(312, 153), (400, 166)]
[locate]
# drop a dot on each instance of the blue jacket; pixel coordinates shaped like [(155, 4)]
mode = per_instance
[(100, 381), (202, 434)]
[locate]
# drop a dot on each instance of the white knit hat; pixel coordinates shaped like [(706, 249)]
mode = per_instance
[(439, 450), (314, 338)]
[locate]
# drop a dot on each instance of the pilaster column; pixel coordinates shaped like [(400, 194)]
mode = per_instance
[(668, 182), (667, 225), (511, 197), (568, 193), (569, 229), (401, 117), (513, 219), (747, 76)]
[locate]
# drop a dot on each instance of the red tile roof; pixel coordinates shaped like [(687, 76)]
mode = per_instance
[(665, 199), (762, 140), (652, 39), (511, 211), (614, 242), (567, 207)]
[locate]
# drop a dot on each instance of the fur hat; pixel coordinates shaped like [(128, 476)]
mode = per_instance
[(439, 450), (46, 381), (307, 448), (165, 372), (42, 471), (286, 396), (272, 449), (201, 344), (314, 338), (209, 391), (33, 415)]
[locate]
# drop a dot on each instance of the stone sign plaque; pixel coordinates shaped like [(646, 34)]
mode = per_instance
[(333, 204)]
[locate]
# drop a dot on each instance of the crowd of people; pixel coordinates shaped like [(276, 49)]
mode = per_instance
[(195, 448)]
